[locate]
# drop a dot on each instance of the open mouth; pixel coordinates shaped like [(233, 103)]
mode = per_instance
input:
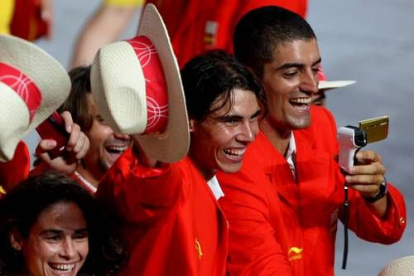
[(301, 104), (234, 154), (62, 268), (116, 149)]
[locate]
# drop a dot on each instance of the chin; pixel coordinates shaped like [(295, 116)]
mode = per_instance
[(300, 124), (231, 168)]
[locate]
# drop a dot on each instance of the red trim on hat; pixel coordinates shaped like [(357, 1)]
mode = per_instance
[(23, 86), (321, 74), (155, 84)]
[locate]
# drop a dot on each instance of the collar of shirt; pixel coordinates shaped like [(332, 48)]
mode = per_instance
[(215, 187), (291, 154)]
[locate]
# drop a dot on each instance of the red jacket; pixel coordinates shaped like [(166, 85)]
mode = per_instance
[(280, 227), (171, 220), (199, 25), (15, 170)]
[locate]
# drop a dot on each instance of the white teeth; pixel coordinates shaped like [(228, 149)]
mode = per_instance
[(301, 100), (235, 152), (114, 148), (63, 267)]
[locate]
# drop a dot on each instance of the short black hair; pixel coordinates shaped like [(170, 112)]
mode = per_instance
[(261, 30), (213, 75), (22, 205)]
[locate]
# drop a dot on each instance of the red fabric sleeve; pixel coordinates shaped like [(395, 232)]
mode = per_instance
[(368, 226), (140, 194)]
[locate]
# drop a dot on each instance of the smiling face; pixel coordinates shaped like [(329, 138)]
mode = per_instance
[(220, 141), (57, 243), (290, 80), (105, 145)]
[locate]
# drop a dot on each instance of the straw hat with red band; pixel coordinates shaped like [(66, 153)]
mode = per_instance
[(324, 84), (137, 87), (401, 267), (32, 85)]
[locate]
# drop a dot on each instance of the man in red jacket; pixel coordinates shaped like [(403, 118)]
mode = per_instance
[(164, 198), (172, 222), (284, 204)]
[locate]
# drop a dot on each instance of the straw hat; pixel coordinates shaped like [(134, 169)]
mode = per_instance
[(324, 84), (400, 267), (32, 85), (137, 87)]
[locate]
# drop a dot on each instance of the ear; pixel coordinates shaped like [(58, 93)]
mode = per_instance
[(15, 239)]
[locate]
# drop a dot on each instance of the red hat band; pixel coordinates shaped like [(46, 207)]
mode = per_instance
[(321, 74), (155, 84), (23, 86)]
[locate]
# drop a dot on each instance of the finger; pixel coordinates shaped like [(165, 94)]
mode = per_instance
[(373, 168), (68, 121), (79, 143), (74, 137), (366, 189), (81, 154), (371, 155), (43, 147), (366, 179)]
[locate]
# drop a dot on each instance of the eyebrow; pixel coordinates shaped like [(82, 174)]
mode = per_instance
[(298, 65), (256, 114), (55, 231), (238, 117)]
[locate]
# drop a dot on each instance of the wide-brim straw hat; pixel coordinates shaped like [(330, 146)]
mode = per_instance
[(32, 85), (400, 267), (121, 86), (324, 84)]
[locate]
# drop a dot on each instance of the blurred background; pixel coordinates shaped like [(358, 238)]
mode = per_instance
[(369, 41)]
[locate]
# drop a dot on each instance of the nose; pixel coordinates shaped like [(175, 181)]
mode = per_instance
[(309, 82), (68, 249), (248, 131)]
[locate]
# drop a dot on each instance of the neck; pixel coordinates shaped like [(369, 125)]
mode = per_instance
[(207, 174), (277, 136)]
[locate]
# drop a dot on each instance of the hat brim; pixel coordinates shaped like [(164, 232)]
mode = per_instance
[(173, 144), (400, 267), (48, 74), (327, 85)]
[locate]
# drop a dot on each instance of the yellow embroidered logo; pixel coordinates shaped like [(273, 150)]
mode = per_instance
[(198, 248), (295, 253)]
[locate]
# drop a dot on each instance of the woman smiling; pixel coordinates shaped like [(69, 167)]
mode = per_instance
[(49, 225)]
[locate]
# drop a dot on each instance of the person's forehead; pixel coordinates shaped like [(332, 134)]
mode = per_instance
[(296, 51)]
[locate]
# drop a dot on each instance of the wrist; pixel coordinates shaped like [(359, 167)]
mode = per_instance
[(382, 191)]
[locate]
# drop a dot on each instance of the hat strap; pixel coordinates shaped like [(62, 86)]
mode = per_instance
[(155, 84), (22, 85)]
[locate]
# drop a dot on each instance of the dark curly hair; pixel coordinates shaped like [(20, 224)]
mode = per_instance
[(212, 76), (21, 207)]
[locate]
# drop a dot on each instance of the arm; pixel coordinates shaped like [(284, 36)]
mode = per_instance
[(105, 26), (384, 220), (140, 189), (368, 225)]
